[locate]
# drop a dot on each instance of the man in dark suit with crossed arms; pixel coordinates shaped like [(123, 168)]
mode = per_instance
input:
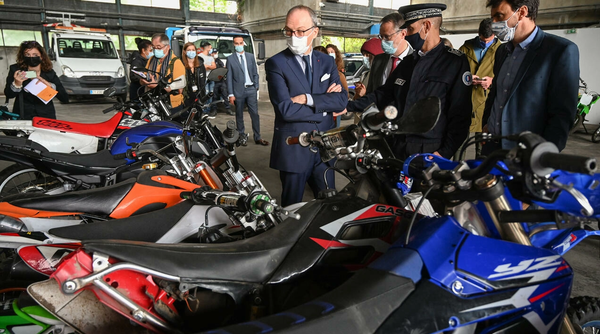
[(242, 84), (305, 90)]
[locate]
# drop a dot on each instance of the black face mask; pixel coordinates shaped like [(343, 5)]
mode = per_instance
[(32, 61), (415, 41)]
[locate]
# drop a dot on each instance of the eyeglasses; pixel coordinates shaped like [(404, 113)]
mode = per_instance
[(388, 37), (299, 33), (158, 47)]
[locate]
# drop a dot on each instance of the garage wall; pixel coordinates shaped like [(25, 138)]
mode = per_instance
[(589, 53)]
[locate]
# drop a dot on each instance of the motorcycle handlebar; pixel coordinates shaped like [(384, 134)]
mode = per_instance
[(292, 140), (568, 162), (114, 107)]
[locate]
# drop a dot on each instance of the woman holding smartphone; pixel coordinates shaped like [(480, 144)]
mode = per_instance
[(32, 63)]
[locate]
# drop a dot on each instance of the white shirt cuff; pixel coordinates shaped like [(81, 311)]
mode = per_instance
[(309, 100)]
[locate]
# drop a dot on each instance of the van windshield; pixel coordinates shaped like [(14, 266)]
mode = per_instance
[(86, 48), (224, 44)]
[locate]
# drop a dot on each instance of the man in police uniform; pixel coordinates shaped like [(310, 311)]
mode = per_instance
[(434, 70)]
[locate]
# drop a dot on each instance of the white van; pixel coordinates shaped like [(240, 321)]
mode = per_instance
[(87, 62)]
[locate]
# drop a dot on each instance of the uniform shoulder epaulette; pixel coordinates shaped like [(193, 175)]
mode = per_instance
[(455, 52)]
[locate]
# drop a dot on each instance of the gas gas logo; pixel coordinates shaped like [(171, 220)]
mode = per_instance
[(393, 210)]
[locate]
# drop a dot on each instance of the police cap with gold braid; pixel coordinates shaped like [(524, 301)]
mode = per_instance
[(414, 13)]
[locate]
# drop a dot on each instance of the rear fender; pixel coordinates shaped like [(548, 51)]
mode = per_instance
[(130, 292)]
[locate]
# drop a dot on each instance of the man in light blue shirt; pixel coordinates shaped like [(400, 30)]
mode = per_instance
[(536, 78), (242, 85)]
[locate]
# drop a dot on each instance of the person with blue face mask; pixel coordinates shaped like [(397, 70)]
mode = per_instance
[(162, 64), (195, 74), (536, 78), (242, 85), (480, 52)]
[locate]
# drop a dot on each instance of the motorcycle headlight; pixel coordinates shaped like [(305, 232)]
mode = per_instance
[(121, 72), (68, 72)]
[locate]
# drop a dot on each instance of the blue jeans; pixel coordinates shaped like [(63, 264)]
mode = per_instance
[(210, 86)]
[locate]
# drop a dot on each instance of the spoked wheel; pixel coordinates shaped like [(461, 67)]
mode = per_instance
[(584, 313), (596, 135), (17, 179)]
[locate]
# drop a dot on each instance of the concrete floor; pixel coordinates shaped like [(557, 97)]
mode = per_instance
[(585, 258)]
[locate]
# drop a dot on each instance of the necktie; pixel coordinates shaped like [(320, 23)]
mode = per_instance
[(394, 63), (244, 68), (307, 70)]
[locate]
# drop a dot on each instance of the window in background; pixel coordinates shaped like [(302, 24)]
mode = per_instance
[(345, 44), (16, 37), (357, 2), (130, 42), (152, 3), (214, 6), (392, 4)]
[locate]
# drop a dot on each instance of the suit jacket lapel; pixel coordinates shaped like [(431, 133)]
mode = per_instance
[(528, 60), (297, 70)]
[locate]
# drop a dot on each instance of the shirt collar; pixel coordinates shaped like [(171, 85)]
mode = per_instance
[(406, 51), (525, 44)]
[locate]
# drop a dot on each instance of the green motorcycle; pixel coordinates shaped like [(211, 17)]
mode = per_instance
[(19, 313), (586, 100)]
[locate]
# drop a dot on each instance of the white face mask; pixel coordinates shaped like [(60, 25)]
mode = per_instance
[(503, 31), (332, 54), (298, 45)]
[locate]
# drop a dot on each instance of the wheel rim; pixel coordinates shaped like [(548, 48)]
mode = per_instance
[(592, 327), (27, 180)]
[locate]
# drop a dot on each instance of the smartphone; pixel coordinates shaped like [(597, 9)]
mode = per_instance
[(30, 74)]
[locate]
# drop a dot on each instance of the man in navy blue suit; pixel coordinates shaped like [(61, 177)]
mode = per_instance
[(242, 84), (305, 90), (536, 78)]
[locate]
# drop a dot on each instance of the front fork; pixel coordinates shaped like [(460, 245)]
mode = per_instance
[(514, 231)]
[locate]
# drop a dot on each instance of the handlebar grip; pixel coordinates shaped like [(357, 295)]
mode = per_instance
[(186, 195), (107, 110), (345, 164), (120, 156), (292, 140), (569, 163), (206, 97), (373, 122), (265, 206)]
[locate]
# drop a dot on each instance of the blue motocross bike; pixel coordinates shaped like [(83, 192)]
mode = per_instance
[(492, 267)]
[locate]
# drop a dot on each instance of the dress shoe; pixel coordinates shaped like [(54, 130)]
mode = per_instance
[(261, 142)]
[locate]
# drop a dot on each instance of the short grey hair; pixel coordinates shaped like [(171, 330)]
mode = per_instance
[(311, 12), (395, 18), (164, 39)]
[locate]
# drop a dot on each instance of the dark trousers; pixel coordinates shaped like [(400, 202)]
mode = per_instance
[(134, 86), (248, 98), (293, 184), (220, 92)]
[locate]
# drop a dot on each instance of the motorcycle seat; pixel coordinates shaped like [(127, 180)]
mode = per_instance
[(360, 305), (100, 159), (101, 130), (250, 260), (99, 201), (147, 227)]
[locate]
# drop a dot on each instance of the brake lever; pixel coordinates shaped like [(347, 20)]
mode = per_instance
[(587, 209)]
